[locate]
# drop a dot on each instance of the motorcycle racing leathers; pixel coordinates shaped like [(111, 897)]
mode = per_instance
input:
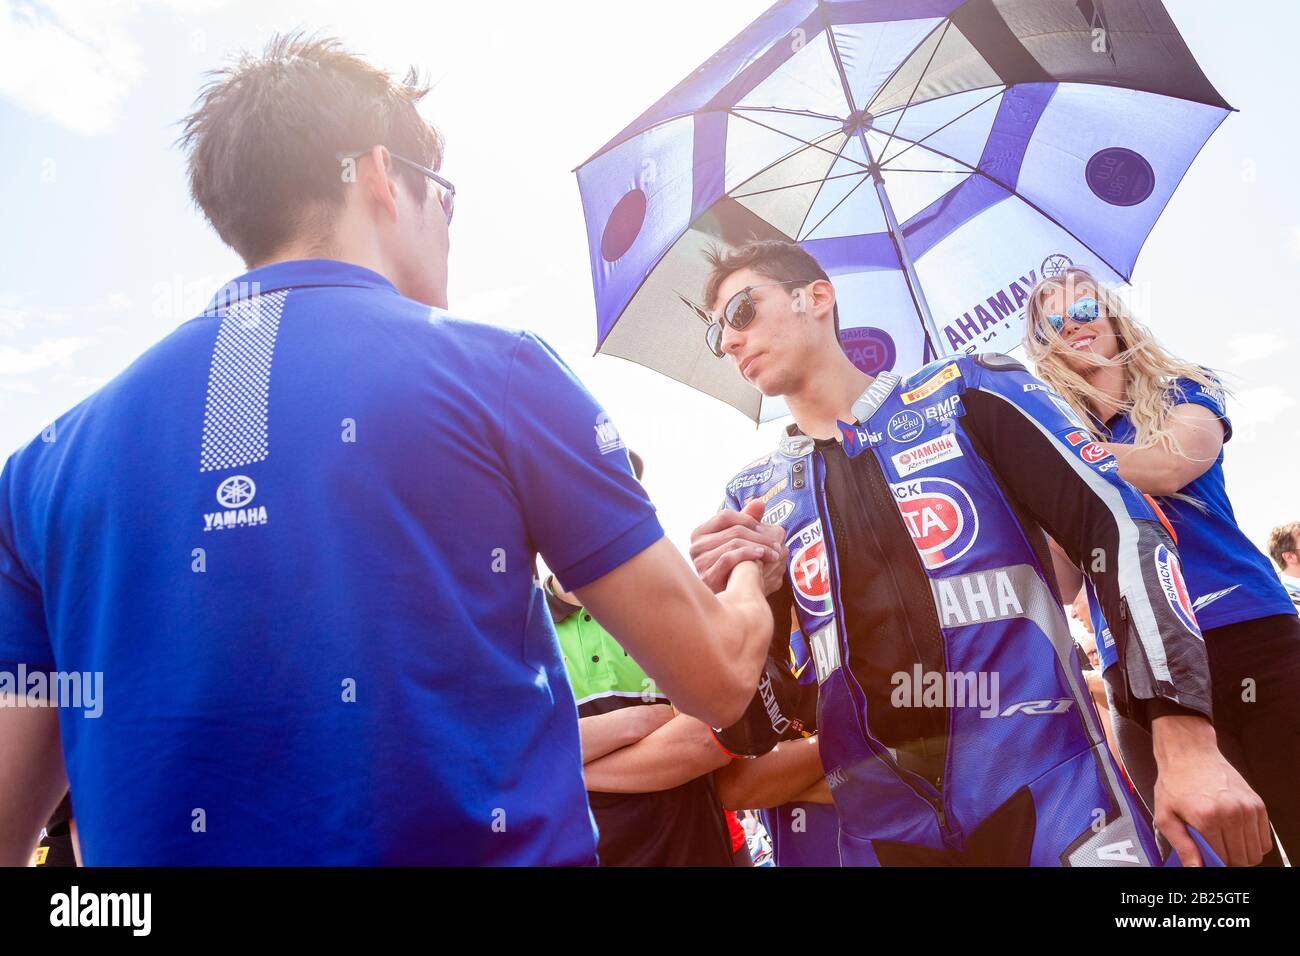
[(954, 722)]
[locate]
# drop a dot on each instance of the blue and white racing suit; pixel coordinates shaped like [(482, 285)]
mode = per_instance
[(961, 470)]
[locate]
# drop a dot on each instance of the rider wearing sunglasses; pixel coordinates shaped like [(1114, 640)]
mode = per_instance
[(913, 512), (742, 308)]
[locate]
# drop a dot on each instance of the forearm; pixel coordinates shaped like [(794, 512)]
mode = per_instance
[(1152, 470), (819, 792), (748, 622), (1198, 435), (32, 781), (704, 651), (778, 777), (1177, 738), (604, 733), (676, 753)]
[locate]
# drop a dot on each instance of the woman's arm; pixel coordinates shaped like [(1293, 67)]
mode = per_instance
[(1157, 471)]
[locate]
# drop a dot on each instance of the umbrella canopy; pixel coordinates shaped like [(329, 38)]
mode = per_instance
[(936, 156)]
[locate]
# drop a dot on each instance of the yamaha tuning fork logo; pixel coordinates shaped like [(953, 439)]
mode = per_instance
[(235, 494), (236, 491)]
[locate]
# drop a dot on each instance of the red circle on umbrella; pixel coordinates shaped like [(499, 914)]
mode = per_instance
[(623, 226)]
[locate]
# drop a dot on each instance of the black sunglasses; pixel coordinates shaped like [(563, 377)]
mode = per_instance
[(739, 311), (448, 190)]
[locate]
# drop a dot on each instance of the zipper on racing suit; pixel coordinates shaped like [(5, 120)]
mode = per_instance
[(915, 782)]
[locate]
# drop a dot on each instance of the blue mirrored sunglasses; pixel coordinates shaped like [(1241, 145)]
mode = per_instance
[(1083, 311)]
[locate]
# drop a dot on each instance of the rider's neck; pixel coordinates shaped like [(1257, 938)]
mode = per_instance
[(827, 396)]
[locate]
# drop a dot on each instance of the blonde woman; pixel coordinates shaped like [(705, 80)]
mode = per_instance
[(1164, 421)]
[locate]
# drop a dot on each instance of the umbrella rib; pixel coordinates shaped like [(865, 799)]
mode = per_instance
[(997, 92), (832, 209), (810, 182), (1011, 191), (789, 112), (791, 136), (817, 195), (916, 86), (959, 162), (904, 61), (777, 162)]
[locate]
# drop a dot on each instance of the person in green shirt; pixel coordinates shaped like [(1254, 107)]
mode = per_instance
[(649, 770)]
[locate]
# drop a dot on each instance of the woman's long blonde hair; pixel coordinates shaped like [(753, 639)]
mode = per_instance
[(1149, 369)]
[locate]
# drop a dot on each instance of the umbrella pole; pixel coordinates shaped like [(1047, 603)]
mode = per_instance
[(909, 268)]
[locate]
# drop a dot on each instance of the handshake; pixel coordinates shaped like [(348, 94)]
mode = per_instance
[(730, 539)]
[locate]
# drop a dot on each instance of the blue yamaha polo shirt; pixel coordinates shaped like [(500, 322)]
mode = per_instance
[(1228, 579), (297, 539)]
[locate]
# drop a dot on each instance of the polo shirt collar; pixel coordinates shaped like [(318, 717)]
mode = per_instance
[(298, 274)]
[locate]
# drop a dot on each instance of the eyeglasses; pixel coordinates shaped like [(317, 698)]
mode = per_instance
[(1083, 311), (448, 190), (739, 311)]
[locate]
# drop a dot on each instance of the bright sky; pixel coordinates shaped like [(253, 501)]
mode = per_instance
[(103, 253)]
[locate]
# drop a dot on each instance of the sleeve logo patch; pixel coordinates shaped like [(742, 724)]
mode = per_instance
[(1170, 576), (949, 373), (607, 437)]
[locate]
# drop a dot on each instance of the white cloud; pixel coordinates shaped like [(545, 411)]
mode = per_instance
[(1293, 242), (71, 61), (1255, 345), (12, 321), (45, 354), (1258, 406), (119, 302)]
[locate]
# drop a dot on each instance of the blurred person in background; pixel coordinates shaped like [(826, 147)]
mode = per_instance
[(1165, 421), (1284, 549), (648, 769), (1085, 641)]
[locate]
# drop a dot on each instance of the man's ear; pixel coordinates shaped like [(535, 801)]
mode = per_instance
[(378, 185), (821, 298)]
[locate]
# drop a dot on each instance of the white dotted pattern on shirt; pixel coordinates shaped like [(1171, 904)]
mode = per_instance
[(239, 383)]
